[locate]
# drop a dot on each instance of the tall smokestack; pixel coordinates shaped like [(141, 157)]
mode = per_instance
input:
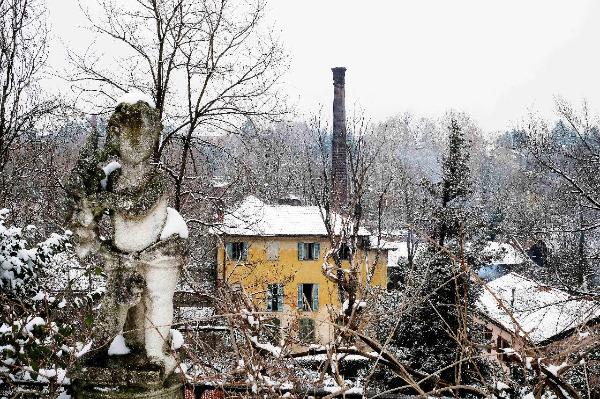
[(339, 171)]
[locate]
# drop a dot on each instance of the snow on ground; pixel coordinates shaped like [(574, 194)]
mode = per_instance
[(174, 225), (540, 311)]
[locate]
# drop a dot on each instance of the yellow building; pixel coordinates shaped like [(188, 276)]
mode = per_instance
[(276, 253)]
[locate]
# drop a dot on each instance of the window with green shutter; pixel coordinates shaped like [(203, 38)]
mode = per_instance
[(272, 250), (309, 250), (315, 297), (301, 247), (237, 251), (275, 297), (308, 297), (316, 251)]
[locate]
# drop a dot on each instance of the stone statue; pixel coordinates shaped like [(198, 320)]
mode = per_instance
[(147, 245)]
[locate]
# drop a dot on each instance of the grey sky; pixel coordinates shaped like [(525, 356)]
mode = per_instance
[(494, 59)]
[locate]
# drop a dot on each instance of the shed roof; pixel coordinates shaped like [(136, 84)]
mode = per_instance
[(541, 311)]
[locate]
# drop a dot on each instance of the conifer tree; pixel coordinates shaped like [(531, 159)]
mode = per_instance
[(455, 185), (437, 321)]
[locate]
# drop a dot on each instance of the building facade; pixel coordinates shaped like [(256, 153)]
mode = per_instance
[(276, 253)]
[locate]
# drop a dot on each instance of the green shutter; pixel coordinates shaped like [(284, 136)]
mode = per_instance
[(300, 301), (244, 251), (269, 298), (315, 296), (316, 250), (300, 251), (229, 250), (280, 297)]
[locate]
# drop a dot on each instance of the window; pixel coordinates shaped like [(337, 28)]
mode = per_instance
[(272, 250), (236, 250), (275, 297), (344, 252), (309, 250), (501, 344), (308, 297), (487, 337), (306, 330)]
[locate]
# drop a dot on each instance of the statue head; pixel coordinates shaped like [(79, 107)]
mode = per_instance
[(133, 132)]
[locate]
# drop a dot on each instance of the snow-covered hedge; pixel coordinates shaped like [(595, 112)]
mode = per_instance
[(34, 344)]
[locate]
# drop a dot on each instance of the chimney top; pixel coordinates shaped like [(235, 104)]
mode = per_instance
[(338, 75)]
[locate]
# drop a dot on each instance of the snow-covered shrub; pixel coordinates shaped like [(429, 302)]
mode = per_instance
[(34, 344)]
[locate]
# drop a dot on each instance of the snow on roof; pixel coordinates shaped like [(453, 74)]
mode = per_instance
[(377, 242), (398, 250), (255, 218), (395, 255), (541, 311), (503, 254)]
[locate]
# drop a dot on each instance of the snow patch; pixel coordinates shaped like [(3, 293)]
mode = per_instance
[(108, 169), (85, 349), (36, 321), (133, 97), (502, 253), (176, 339), (39, 296), (250, 318), (118, 346), (584, 335), (174, 225), (274, 350), (554, 369)]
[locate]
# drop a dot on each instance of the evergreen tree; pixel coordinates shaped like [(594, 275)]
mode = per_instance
[(455, 185), (432, 334)]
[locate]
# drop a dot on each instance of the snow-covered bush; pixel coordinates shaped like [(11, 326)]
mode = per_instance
[(34, 343)]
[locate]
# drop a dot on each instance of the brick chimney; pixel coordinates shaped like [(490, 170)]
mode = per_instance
[(339, 171)]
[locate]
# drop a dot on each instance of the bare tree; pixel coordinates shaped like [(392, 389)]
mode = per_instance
[(209, 65), (569, 150), (23, 54)]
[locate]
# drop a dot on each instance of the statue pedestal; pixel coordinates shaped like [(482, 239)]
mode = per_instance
[(120, 381)]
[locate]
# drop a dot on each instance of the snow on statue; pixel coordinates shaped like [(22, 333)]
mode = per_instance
[(147, 244)]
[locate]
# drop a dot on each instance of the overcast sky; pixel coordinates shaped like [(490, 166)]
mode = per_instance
[(494, 60)]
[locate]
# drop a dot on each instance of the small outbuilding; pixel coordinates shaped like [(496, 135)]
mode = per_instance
[(522, 315)]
